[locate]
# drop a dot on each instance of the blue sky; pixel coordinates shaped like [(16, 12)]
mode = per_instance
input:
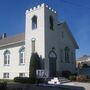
[(75, 12)]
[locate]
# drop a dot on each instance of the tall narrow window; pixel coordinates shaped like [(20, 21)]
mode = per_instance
[(34, 22), (72, 57), (33, 46), (62, 34), (67, 54), (51, 22), (7, 57), (61, 55), (22, 55)]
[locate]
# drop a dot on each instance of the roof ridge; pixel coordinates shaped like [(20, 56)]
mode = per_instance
[(13, 36)]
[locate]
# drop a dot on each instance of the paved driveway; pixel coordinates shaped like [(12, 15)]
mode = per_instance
[(85, 85)]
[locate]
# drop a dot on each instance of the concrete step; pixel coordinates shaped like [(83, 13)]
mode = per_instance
[(58, 80)]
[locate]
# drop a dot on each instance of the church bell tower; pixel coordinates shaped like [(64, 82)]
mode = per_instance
[(40, 33)]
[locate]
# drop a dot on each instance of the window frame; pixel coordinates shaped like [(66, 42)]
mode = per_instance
[(34, 22), (33, 42), (7, 58), (67, 57), (51, 22), (22, 75), (6, 75), (62, 34), (22, 56), (61, 55), (72, 57)]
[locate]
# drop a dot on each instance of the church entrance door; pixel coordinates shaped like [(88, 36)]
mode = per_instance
[(52, 67), (52, 63)]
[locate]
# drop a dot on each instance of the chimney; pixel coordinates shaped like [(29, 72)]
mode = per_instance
[(4, 35)]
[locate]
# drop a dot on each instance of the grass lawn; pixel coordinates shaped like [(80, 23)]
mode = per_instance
[(6, 81)]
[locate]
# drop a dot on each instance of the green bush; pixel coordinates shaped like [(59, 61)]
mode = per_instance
[(21, 79), (88, 80), (32, 80), (72, 78), (3, 86), (88, 76), (66, 74), (25, 80), (39, 80), (34, 65), (81, 78), (28, 80)]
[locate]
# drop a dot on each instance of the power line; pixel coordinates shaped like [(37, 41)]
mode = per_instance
[(79, 5)]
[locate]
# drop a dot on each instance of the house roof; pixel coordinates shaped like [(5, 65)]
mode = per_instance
[(21, 38), (12, 40), (64, 24), (83, 58)]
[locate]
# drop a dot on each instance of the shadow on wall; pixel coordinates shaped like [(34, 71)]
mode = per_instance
[(42, 61)]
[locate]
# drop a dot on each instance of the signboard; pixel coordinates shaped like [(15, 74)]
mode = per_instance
[(41, 73)]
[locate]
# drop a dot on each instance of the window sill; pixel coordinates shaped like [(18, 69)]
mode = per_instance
[(34, 29), (6, 65), (21, 64), (6, 78), (52, 29)]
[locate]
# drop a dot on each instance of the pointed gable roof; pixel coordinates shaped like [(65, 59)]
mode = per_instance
[(64, 25)]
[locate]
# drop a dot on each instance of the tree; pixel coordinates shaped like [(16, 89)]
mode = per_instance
[(34, 65), (85, 65)]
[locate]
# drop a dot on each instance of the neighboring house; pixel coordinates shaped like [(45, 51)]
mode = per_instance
[(83, 61), (51, 39), (83, 65)]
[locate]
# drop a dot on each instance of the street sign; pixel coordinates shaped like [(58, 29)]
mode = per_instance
[(40, 73)]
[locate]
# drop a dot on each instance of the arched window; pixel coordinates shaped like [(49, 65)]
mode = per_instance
[(67, 54), (51, 22), (22, 55), (33, 46), (7, 57), (34, 22)]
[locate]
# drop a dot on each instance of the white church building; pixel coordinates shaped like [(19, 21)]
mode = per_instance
[(44, 34)]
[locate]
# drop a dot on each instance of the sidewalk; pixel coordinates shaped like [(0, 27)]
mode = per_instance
[(85, 85)]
